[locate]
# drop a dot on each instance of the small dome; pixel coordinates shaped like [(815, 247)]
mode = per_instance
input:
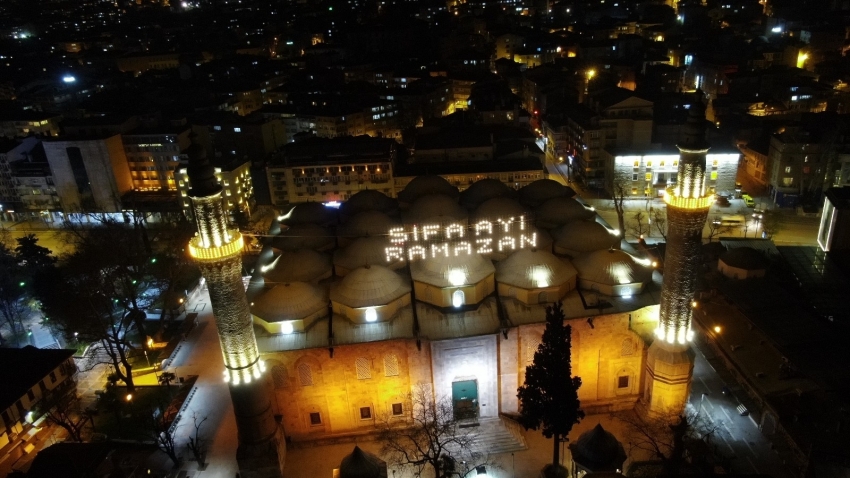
[(425, 185), (289, 301), (561, 210), (542, 190), (303, 265), (361, 464), (440, 271), (303, 236), (528, 269), (745, 258), (580, 237), (309, 213), (482, 190), (500, 207), (435, 208), (368, 200), (611, 267), (367, 286), (365, 251), (367, 223), (598, 450)]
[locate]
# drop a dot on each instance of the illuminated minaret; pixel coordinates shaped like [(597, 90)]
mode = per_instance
[(670, 360), (218, 251)]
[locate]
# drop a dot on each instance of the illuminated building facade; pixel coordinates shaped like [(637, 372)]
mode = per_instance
[(154, 156), (670, 361), (218, 251), (235, 180)]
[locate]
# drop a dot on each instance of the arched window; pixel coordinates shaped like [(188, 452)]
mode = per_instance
[(628, 347), (458, 298), (281, 378), (305, 375)]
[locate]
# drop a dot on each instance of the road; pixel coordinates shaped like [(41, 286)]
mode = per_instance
[(737, 436)]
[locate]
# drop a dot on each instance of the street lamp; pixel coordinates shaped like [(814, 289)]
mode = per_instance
[(717, 329)]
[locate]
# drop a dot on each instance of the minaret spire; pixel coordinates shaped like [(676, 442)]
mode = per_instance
[(218, 251), (670, 360)]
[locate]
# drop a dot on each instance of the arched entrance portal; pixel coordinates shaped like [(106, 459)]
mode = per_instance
[(465, 399)]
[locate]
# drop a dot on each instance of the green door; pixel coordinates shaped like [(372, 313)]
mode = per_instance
[(465, 399)]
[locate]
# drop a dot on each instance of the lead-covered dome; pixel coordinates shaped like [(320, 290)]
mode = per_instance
[(289, 302), (361, 464), (542, 190), (482, 190), (364, 251), (366, 223), (558, 211), (580, 237), (742, 263), (302, 265), (613, 272), (368, 200), (426, 185), (598, 450), (435, 208), (304, 236), (534, 269), (442, 271), (367, 286), (309, 213), (498, 208)]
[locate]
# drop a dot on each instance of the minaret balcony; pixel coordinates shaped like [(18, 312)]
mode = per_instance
[(197, 251), (688, 203)]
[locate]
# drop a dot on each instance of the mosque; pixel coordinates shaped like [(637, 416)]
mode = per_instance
[(352, 307)]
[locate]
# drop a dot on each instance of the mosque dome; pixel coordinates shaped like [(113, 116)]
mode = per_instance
[(435, 208), (363, 251), (361, 464), (302, 265), (612, 272), (482, 190), (579, 237), (561, 210), (304, 236), (426, 185), (290, 301), (370, 285), (309, 213), (442, 271), (742, 263), (598, 450), (542, 190), (498, 207), (368, 200), (534, 269), (366, 223)]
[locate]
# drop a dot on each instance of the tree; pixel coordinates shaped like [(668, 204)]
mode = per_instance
[(197, 444), (31, 255), (618, 193), (63, 409), (431, 438), (159, 429), (638, 225), (658, 217), (716, 228), (682, 443), (549, 397), (772, 222), (14, 300)]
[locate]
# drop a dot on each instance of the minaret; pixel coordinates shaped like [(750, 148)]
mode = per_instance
[(670, 361), (218, 251)]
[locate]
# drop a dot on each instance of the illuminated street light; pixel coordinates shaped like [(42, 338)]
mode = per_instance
[(717, 329), (129, 397)]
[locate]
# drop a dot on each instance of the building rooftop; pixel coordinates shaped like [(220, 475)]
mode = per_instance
[(23, 368)]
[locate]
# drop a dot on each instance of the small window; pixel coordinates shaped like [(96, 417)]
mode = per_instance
[(52, 377), (714, 175), (787, 169), (398, 409), (648, 177), (365, 413), (634, 177), (30, 395), (623, 382), (237, 130), (364, 371), (315, 419)]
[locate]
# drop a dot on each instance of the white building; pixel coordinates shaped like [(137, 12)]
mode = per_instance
[(650, 174)]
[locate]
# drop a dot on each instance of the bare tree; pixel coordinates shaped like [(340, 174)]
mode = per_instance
[(14, 300), (716, 228), (618, 194), (162, 434), (63, 409), (197, 444), (639, 225), (658, 217), (772, 222), (430, 438), (682, 443)]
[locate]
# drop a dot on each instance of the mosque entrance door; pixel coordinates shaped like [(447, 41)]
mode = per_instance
[(465, 400)]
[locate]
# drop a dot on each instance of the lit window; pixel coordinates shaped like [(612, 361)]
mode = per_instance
[(787, 169), (237, 130), (457, 298), (714, 175), (648, 177)]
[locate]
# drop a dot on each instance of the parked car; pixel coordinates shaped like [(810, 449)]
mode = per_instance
[(748, 200)]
